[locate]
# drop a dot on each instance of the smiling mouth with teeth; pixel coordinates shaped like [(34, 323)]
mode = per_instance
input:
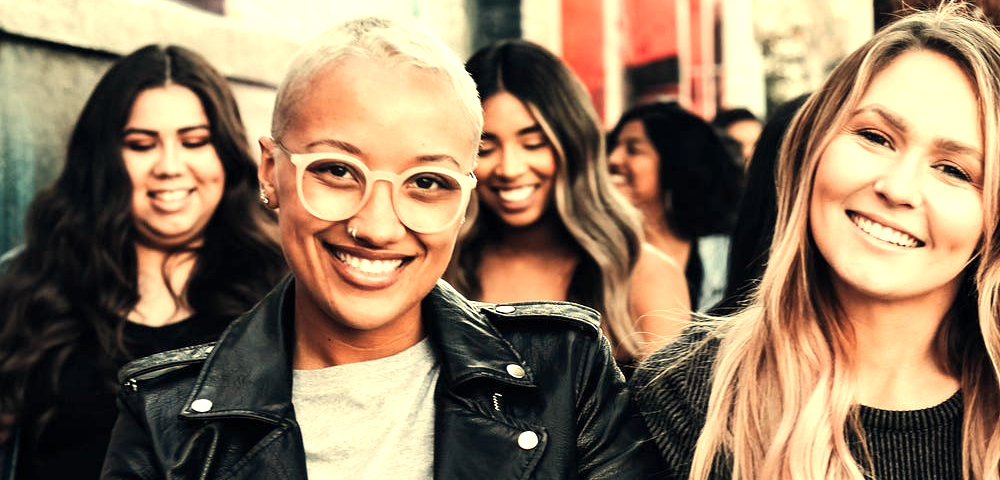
[(884, 233), (367, 266), (170, 195), (515, 194)]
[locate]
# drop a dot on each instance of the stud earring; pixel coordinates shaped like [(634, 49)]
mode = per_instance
[(263, 197)]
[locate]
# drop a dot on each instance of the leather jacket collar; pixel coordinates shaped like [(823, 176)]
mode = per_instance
[(468, 345), (544, 400)]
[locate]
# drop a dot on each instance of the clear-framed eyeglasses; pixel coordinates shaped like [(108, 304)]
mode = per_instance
[(334, 187)]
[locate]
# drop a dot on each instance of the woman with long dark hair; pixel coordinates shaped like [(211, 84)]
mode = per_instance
[(548, 224), (687, 182), (150, 239)]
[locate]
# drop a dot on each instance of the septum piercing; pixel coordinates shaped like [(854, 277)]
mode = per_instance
[(353, 232)]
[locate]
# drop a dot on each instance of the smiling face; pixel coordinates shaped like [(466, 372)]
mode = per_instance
[(517, 163), (635, 165), (177, 177), (390, 119), (897, 207)]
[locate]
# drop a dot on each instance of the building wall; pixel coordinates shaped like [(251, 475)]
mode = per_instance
[(582, 42), (802, 40), (706, 54), (742, 60), (52, 52)]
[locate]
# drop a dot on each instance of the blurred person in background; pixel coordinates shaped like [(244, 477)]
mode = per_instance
[(150, 239), (364, 364), (680, 173), (742, 125), (751, 237), (549, 224), (876, 327)]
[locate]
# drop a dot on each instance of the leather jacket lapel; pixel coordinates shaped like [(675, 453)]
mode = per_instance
[(262, 335), (490, 448), (251, 435), (477, 361), (277, 456), (469, 345)]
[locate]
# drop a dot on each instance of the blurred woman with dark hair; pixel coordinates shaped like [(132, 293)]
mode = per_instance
[(751, 236), (150, 239), (687, 183)]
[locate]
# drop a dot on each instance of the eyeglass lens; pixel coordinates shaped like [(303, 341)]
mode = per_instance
[(425, 199)]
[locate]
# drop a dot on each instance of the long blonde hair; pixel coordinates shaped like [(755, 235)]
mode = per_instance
[(792, 341)]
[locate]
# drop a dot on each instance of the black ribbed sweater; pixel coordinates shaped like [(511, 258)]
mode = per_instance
[(904, 445)]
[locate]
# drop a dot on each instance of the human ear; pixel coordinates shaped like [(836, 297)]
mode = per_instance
[(266, 173)]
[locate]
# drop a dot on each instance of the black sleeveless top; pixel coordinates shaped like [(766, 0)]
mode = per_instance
[(73, 442)]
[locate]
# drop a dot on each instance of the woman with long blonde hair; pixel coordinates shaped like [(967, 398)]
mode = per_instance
[(872, 349)]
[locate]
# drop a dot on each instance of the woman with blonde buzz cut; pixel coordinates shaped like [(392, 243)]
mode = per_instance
[(362, 364), (872, 347)]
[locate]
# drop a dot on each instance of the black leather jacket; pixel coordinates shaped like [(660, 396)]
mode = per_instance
[(225, 411)]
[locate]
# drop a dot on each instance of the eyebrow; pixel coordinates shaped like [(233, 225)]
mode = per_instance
[(959, 148), (338, 144), (351, 149), (439, 158), (536, 128), (897, 122), (900, 124), (192, 128), (140, 131), (154, 133)]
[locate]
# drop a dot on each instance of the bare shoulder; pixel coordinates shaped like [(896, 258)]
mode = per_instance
[(653, 259), (658, 297), (659, 275), (658, 280)]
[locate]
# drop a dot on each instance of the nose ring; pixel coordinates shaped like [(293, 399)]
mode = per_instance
[(353, 232)]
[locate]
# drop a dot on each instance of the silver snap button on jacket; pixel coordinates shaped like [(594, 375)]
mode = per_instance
[(515, 370), (201, 405), (527, 440)]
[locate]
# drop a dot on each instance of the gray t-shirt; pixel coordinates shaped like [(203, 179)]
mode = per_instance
[(369, 420)]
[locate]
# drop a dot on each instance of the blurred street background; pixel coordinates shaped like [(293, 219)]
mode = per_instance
[(707, 54)]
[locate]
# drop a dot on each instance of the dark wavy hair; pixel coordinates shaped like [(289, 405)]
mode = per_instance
[(76, 278), (725, 118), (598, 221), (754, 229), (700, 178)]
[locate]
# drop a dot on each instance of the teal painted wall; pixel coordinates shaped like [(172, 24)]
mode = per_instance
[(42, 89)]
